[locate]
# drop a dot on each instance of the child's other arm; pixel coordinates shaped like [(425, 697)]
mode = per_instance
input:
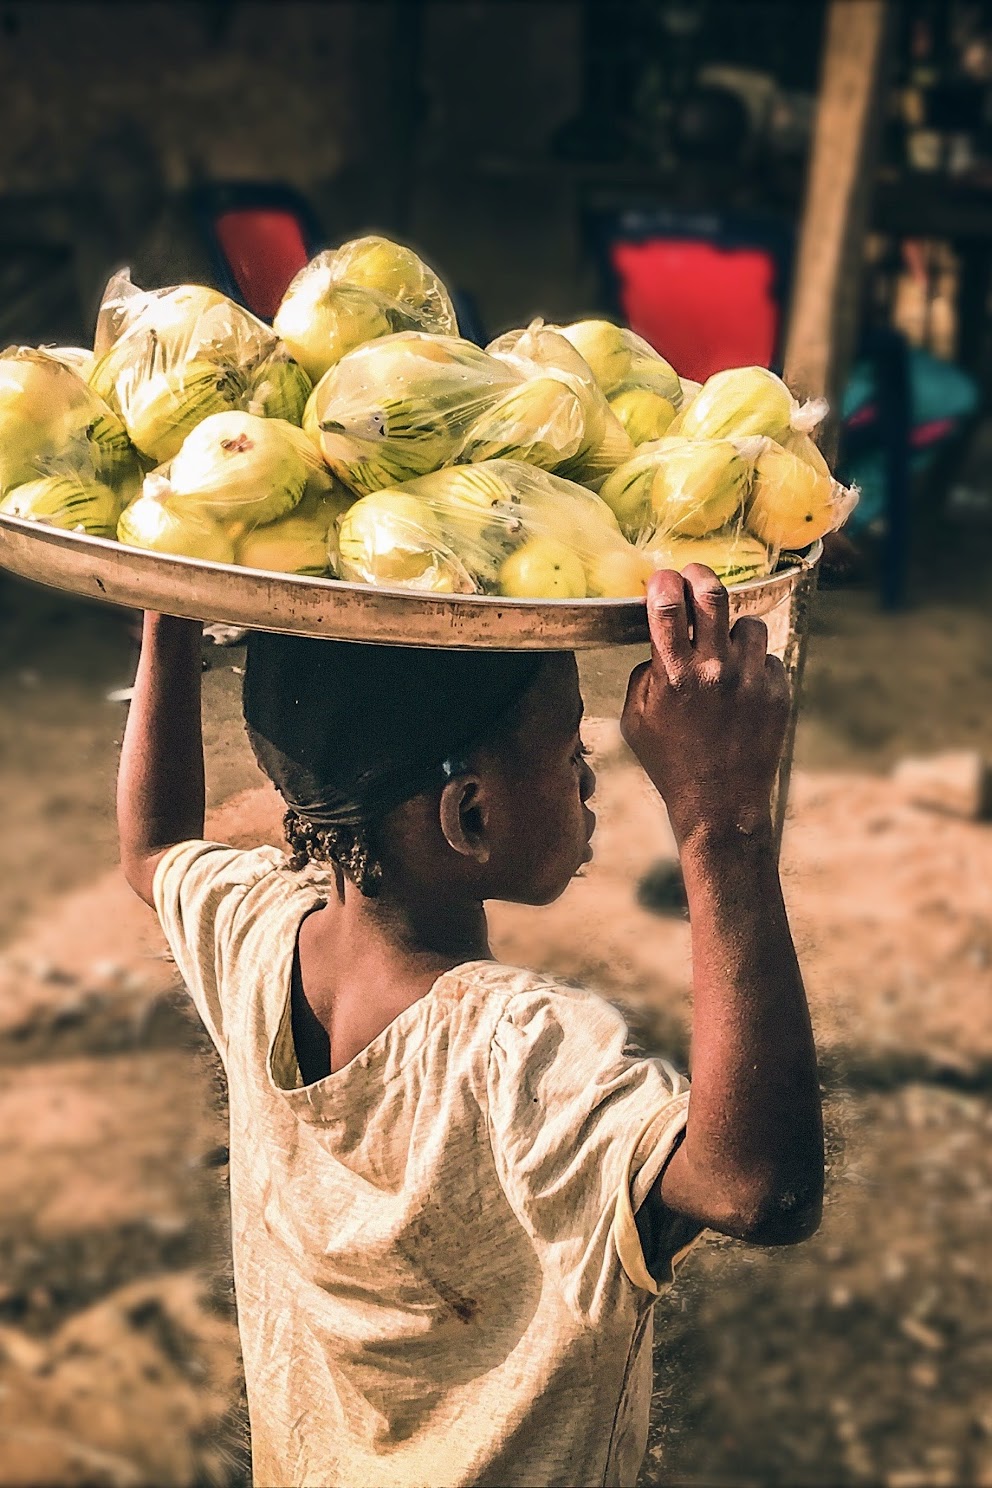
[(706, 717), (160, 790)]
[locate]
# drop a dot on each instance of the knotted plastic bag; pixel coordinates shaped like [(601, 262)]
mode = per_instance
[(168, 358), (367, 288), (734, 504), (402, 406), (65, 457), (241, 489), (541, 351)]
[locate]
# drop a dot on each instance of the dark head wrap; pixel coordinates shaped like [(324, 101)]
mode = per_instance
[(347, 732)]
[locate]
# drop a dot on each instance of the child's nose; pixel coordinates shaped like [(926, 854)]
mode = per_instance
[(587, 785)]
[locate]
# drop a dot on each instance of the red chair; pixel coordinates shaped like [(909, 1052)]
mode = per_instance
[(259, 237), (707, 291)]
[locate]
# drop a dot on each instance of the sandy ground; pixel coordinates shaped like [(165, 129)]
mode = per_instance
[(861, 1358)]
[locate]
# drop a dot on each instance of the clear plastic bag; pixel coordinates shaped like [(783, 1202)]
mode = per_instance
[(541, 351), (402, 406), (744, 401), (734, 504), (242, 489), (167, 358), (347, 296), (498, 527), (54, 429), (643, 390)]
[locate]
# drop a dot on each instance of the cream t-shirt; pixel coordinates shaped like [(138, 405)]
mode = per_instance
[(438, 1274)]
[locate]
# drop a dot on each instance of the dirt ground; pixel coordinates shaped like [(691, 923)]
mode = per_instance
[(861, 1358)]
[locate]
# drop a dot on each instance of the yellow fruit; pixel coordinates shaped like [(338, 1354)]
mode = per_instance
[(591, 467), (574, 516), (467, 500), (540, 422), (53, 423), (279, 388), (627, 492), (736, 403), (388, 537), (698, 486), (620, 573), (644, 413), (320, 481), (321, 321), (155, 330), (166, 406), (733, 557), (791, 503), (68, 501), (543, 568), (376, 263), (150, 522), (603, 346), (294, 544), (173, 314), (651, 371), (238, 467)]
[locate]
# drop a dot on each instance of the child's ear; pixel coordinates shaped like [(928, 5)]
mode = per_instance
[(464, 817)]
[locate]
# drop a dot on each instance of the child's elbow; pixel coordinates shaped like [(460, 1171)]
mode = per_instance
[(786, 1216)]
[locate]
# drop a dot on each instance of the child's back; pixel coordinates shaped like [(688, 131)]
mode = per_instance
[(433, 1279)]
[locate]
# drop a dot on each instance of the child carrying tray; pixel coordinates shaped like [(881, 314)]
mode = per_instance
[(455, 1193)]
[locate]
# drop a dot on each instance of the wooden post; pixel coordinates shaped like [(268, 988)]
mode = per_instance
[(826, 302)]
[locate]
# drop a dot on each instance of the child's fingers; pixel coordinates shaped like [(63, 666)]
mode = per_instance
[(710, 610), (668, 620), (750, 641)]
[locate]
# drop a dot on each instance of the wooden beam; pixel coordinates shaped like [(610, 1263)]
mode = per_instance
[(826, 303)]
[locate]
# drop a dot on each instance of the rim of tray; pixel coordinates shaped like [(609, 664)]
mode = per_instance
[(103, 569)]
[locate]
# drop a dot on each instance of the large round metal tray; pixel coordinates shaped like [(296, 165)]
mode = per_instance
[(328, 608)]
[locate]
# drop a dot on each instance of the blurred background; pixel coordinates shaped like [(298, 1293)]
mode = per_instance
[(809, 187)]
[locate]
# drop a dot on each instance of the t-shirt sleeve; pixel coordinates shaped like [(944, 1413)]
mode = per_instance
[(581, 1129), (199, 890)]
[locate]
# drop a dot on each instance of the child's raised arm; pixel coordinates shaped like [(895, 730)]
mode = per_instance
[(160, 790), (706, 717)]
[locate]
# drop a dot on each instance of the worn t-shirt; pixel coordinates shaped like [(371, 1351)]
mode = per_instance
[(438, 1273)]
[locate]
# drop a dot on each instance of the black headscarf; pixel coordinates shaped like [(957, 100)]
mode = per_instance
[(347, 732)]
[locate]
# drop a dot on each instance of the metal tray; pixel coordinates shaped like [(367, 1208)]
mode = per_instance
[(329, 608)]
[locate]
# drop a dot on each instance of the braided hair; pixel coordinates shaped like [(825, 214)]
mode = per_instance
[(348, 847)]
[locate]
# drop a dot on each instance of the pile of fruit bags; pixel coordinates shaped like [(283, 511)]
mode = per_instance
[(360, 437)]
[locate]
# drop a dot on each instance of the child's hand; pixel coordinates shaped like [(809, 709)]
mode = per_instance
[(707, 715)]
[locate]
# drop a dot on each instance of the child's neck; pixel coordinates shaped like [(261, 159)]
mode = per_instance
[(426, 929), (361, 962)]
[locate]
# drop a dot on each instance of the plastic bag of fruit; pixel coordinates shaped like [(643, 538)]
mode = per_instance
[(732, 503), (643, 390), (367, 288), (241, 489), (65, 457), (168, 358), (541, 351), (402, 406), (498, 527)]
